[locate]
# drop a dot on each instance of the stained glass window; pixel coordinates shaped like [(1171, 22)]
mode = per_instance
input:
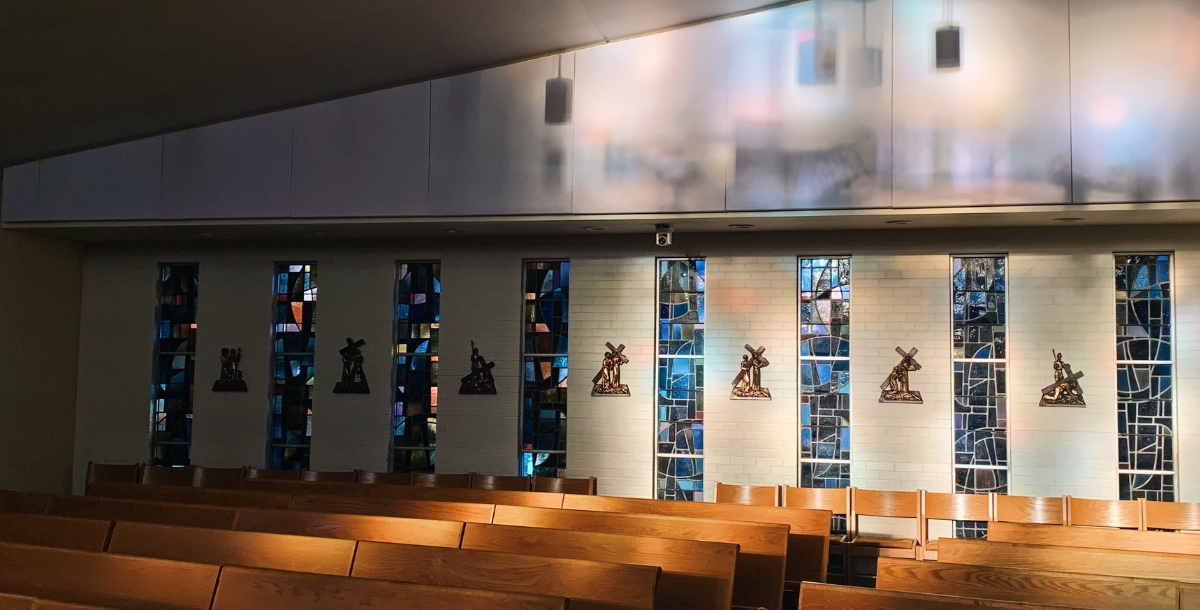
[(978, 287), (679, 402), (294, 340), (825, 372), (544, 372), (417, 320), (1145, 403), (172, 389)]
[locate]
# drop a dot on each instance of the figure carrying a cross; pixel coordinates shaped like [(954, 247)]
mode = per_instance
[(480, 380), (748, 383), (608, 381), (895, 387), (1065, 391), (354, 381)]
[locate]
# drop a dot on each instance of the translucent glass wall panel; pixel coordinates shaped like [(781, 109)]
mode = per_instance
[(294, 341), (1135, 94), (1145, 363), (825, 372), (995, 130), (979, 317), (418, 323), (679, 401), (492, 148), (544, 378), (651, 127), (173, 390), (810, 106)]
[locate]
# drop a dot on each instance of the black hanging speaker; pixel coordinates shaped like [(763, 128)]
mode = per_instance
[(558, 100), (948, 47)]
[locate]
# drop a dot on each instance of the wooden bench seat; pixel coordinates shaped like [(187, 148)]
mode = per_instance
[(258, 589), (130, 583), (762, 552), (1025, 585), (191, 495), (224, 547), (138, 510), (817, 596), (412, 509), (1181, 568), (696, 575), (1097, 538), (400, 530), (590, 585), (808, 529), (58, 532)]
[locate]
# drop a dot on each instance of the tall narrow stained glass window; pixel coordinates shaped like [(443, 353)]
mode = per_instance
[(679, 400), (1145, 403), (544, 375), (825, 372), (172, 390), (418, 320), (294, 341), (979, 318)]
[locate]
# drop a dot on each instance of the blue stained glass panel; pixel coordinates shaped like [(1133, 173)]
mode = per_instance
[(172, 387), (679, 399), (415, 374), (294, 344), (547, 286)]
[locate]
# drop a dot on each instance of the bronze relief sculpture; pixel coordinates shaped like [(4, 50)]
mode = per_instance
[(895, 387), (1065, 391), (480, 380), (608, 381), (748, 383), (354, 381), (231, 376)]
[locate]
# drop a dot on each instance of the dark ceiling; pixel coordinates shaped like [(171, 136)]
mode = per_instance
[(82, 73)]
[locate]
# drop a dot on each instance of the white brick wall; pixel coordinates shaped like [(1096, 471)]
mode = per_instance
[(750, 300), (1186, 305)]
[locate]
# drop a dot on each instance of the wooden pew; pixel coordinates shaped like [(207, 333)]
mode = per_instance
[(429, 479), (1026, 585), (1104, 513), (191, 495), (329, 476), (1174, 516), (410, 492), (257, 589), (1030, 509), (500, 482), (762, 554), (696, 575), (117, 473), (400, 530), (269, 474), (817, 596), (385, 478), (590, 585), (420, 509), (167, 475), (218, 478), (22, 602), (1182, 568), (1096, 538), (130, 583), (749, 495), (57, 532), (585, 486), (46, 604), (16, 602), (808, 530), (137, 510), (29, 502), (222, 547)]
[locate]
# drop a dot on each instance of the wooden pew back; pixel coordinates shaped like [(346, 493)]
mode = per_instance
[(268, 474), (1022, 585), (29, 502), (500, 482), (1031, 509), (257, 589), (131, 583), (112, 473), (167, 475), (817, 596), (138, 510), (749, 495), (329, 476), (21, 602), (1125, 514), (696, 575), (410, 492), (413, 509), (1178, 516), (399, 530), (218, 478), (429, 479), (192, 495), (762, 554), (58, 532), (1096, 538), (385, 478), (590, 585), (580, 485), (1182, 568), (223, 547)]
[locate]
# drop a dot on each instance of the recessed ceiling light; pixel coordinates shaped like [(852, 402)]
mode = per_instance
[(1068, 219), (454, 231), (593, 228), (898, 223), (741, 226)]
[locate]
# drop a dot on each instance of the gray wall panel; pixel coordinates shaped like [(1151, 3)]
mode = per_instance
[(810, 106), (239, 169), (366, 155), (19, 198), (119, 182), (651, 124), (1135, 84), (997, 129), (491, 149)]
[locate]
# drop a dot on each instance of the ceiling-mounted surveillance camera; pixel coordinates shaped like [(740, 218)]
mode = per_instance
[(662, 236)]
